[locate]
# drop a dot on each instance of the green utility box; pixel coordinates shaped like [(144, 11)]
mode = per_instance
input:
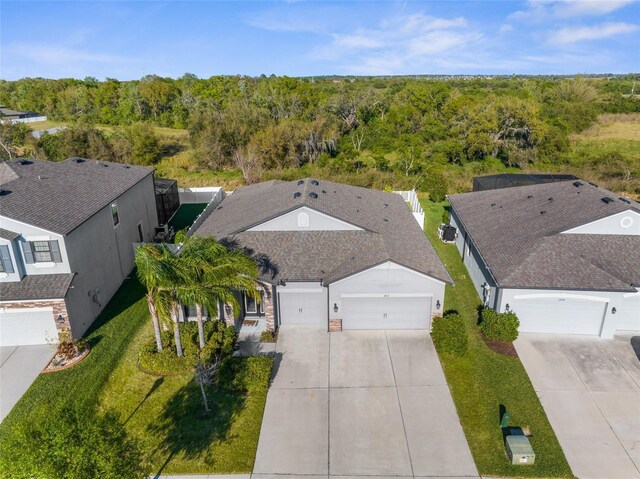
[(520, 451)]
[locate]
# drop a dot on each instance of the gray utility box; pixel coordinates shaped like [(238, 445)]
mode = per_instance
[(520, 451)]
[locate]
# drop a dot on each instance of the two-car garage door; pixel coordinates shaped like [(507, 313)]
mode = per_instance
[(560, 315), (27, 326), (385, 312)]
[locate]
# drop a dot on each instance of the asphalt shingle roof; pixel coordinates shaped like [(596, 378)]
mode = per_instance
[(517, 233), (389, 231), (8, 235), (39, 286), (60, 196)]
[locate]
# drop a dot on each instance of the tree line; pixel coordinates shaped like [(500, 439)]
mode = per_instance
[(404, 125)]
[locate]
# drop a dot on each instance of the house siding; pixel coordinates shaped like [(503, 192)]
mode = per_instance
[(612, 225), (317, 222)]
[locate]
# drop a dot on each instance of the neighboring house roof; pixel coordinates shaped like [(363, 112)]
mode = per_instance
[(8, 235), (389, 231), (60, 196), (39, 286), (516, 232)]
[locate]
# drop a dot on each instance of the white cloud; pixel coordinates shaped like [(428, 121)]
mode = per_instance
[(539, 10), (597, 32), (59, 55), (505, 28)]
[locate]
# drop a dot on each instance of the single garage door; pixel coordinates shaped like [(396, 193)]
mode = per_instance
[(560, 315), (303, 308), (388, 312), (628, 315), (33, 326)]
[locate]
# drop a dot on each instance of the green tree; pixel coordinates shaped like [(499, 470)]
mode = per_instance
[(72, 442)]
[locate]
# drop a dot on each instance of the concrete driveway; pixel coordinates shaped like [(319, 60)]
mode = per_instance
[(19, 367), (365, 403), (590, 390)]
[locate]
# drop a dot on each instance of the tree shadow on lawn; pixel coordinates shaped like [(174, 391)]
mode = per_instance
[(187, 430)]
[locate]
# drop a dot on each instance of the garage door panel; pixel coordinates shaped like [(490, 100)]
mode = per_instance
[(386, 313), (303, 308), (27, 327), (560, 315), (628, 315)]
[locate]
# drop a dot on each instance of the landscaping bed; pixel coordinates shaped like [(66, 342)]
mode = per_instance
[(484, 382), (165, 414)]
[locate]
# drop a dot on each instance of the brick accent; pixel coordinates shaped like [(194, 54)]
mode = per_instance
[(59, 309), (335, 325), (267, 308)]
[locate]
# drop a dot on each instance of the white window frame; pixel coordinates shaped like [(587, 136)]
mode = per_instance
[(246, 307)]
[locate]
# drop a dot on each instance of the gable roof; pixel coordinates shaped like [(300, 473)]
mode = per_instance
[(517, 233), (60, 196), (389, 231), (38, 286)]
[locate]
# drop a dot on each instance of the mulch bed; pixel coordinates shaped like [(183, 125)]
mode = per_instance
[(62, 360), (501, 347)]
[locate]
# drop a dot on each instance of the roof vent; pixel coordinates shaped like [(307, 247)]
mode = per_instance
[(578, 184), (529, 196), (301, 182), (386, 220), (127, 166), (24, 162), (324, 191), (593, 184), (313, 195), (493, 204), (607, 200), (104, 165), (297, 194), (315, 182), (543, 212), (625, 200), (550, 198), (78, 160)]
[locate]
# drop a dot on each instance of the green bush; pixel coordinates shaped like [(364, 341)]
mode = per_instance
[(449, 334), (436, 185), (245, 374), (500, 326), (219, 340)]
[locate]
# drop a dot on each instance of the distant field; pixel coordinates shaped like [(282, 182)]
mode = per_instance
[(613, 127), (45, 125)]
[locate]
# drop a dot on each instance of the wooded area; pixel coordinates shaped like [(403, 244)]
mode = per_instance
[(433, 134)]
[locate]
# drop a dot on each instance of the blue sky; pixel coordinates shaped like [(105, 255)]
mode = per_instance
[(127, 40)]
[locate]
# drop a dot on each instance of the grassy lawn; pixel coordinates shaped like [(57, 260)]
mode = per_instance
[(164, 413), (186, 215), (483, 381)]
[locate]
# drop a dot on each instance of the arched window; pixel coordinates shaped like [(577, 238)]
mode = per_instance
[(303, 220)]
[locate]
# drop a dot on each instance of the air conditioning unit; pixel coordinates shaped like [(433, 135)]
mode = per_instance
[(520, 451)]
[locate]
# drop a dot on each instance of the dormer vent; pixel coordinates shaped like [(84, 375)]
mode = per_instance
[(297, 194), (300, 182), (313, 195), (607, 200), (578, 184), (314, 182)]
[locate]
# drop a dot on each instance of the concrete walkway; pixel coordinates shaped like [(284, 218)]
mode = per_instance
[(590, 390), (356, 404), (19, 367)]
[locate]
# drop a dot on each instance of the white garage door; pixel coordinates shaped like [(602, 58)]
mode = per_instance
[(303, 308), (33, 326), (388, 312), (559, 315), (628, 315)]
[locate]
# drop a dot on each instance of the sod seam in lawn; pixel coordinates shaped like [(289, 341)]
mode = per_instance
[(482, 381)]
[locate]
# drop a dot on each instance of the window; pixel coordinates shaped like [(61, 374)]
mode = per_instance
[(250, 305), (140, 233), (42, 251), (303, 220), (114, 214), (6, 266), (191, 312)]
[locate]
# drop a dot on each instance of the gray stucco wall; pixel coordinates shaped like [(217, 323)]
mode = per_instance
[(388, 278), (102, 255), (317, 222)]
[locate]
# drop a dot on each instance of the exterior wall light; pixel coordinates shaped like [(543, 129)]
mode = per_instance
[(507, 308), (614, 310), (335, 307), (438, 304), (60, 319)]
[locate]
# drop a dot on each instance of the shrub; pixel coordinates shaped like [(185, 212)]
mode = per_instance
[(245, 374), (436, 185), (268, 337), (449, 334), (500, 326), (219, 340)]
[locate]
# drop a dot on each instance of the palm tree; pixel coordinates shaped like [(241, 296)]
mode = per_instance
[(214, 273), (155, 269)]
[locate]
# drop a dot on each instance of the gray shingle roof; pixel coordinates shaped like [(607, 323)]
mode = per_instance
[(390, 233), (8, 235), (40, 286), (60, 196), (516, 231)]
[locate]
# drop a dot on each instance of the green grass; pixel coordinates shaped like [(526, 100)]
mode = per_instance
[(483, 381), (186, 215), (164, 413)]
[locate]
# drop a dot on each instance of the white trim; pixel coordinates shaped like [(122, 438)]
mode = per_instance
[(383, 295), (388, 265), (305, 209), (7, 301), (43, 265), (37, 238), (619, 213), (631, 295), (301, 290), (4, 275), (32, 226), (562, 296), (47, 309)]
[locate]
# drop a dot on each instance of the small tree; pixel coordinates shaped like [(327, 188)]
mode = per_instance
[(69, 443), (206, 374), (500, 326)]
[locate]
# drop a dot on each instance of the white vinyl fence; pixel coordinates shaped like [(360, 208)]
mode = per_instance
[(411, 197), (32, 119), (210, 195)]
